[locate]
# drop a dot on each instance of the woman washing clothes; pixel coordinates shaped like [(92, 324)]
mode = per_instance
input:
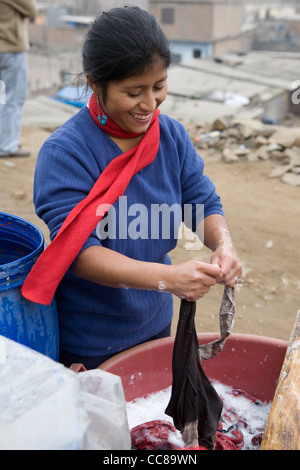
[(117, 285)]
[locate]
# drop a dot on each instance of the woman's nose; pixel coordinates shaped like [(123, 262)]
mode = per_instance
[(149, 102)]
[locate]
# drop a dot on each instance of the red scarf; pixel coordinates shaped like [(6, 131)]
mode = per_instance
[(46, 274)]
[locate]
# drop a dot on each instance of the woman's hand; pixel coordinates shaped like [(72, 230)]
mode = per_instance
[(231, 269), (217, 237), (192, 279)]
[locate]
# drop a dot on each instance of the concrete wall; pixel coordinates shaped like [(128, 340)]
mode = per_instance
[(227, 20), (192, 22), (228, 45), (199, 22)]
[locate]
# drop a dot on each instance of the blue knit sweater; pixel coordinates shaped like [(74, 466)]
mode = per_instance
[(97, 320)]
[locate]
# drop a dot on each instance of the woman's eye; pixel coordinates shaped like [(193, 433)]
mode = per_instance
[(133, 95)]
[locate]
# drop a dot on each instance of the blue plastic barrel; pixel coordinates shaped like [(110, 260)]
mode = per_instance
[(33, 325)]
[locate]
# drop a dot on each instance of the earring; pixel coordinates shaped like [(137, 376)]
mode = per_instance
[(102, 119)]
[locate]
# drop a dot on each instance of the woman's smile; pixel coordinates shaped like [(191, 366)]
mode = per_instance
[(141, 117)]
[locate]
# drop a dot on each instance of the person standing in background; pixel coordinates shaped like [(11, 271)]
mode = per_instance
[(14, 44)]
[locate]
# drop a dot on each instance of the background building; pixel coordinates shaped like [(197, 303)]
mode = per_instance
[(198, 29)]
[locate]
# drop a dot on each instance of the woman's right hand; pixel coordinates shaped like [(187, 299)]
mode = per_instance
[(192, 279)]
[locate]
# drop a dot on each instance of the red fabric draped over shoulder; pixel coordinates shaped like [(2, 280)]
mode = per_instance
[(46, 274)]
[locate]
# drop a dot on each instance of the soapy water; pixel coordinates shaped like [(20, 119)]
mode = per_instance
[(239, 409)]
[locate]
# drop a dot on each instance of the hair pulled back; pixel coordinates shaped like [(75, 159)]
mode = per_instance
[(121, 43)]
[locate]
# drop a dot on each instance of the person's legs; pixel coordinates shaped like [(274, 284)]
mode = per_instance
[(13, 73)]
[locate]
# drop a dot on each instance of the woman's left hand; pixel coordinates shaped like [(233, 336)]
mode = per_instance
[(218, 239), (231, 267)]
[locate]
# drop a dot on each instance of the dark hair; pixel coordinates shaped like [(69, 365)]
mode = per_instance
[(121, 43)]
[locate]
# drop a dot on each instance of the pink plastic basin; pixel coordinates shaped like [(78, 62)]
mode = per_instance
[(247, 362)]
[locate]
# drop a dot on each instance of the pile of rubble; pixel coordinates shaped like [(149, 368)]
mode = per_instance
[(230, 140)]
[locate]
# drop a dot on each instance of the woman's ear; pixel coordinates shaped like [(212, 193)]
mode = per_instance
[(95, 88), (91, 82)]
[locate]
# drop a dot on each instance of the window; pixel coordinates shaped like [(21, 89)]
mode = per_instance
[(197, 53), (167, 15)]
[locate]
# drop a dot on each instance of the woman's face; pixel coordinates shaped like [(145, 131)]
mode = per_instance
[(130, 103)]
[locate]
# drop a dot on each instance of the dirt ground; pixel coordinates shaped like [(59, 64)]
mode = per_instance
[(264, 217)]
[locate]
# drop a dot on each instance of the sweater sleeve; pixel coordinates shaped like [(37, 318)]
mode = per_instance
[(197, 188), (61, 182)]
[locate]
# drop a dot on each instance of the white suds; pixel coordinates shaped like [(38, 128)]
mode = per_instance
[(249, 416), (161, 285)]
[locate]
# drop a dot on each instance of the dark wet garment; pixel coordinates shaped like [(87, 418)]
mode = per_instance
[(195, 405), (226, 318)]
